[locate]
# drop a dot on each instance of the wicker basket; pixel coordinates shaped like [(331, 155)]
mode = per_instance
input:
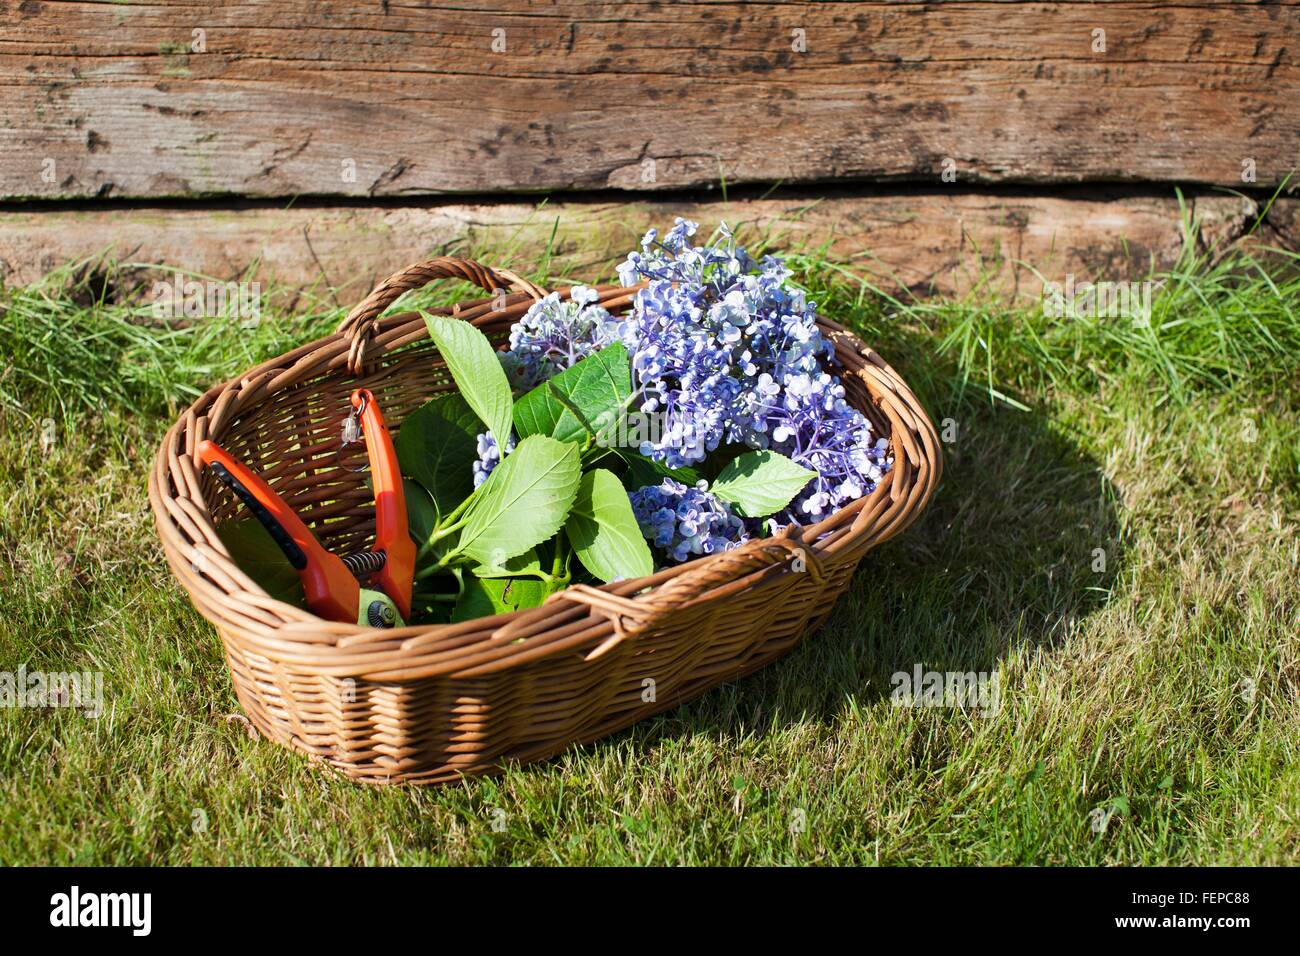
[(430, 704)]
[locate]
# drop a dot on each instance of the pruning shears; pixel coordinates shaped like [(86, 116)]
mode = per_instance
[(333, 585)]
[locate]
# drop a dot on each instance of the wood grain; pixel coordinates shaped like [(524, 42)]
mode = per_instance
[(931, 242), (388, 99)]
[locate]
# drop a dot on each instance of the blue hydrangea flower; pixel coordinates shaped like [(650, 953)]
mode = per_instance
[(811, 423), (758, 379), (724, 350), (686, 521), (708, 269), (552, 335), (489, 456), (681, 371)]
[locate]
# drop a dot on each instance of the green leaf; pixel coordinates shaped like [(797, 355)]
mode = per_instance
[(421, 512), (261, 559), (483, 597), (604, 532), (642, 471), (760, 483), (523, 502), (437, 445), (474, 365), (519, 564), (572, 408), (595, 389)]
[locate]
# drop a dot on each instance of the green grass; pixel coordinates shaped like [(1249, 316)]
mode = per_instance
[(1162, 687)]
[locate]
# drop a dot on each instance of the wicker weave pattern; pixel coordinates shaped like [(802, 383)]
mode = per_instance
[(429, 704)]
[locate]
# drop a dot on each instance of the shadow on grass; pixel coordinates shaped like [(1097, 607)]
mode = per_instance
[(1005, 554)]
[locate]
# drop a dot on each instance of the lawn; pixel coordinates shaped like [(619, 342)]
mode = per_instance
[(1114, 538)]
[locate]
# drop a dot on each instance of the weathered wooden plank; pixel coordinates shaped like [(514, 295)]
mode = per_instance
[(381, 99), (923, 243)]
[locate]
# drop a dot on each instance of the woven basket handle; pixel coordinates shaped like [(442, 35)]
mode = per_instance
[(360, 323), (633, 616)]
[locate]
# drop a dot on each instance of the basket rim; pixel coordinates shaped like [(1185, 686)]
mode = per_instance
[(572, 619)]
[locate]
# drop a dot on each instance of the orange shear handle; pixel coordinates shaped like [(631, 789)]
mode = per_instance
[(331, 590), (392, 533)]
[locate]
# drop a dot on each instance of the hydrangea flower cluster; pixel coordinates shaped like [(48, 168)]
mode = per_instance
[(489, 456), (773, 392), (726, 351), (552, 335), (686, 521), (811, 423), (710, 269), (681, 371)]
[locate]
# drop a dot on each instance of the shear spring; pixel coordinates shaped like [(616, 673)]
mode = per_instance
[(365, 562)]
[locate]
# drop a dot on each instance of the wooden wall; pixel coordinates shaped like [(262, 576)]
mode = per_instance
[(427, 104), (924, 243), (584, 94)]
